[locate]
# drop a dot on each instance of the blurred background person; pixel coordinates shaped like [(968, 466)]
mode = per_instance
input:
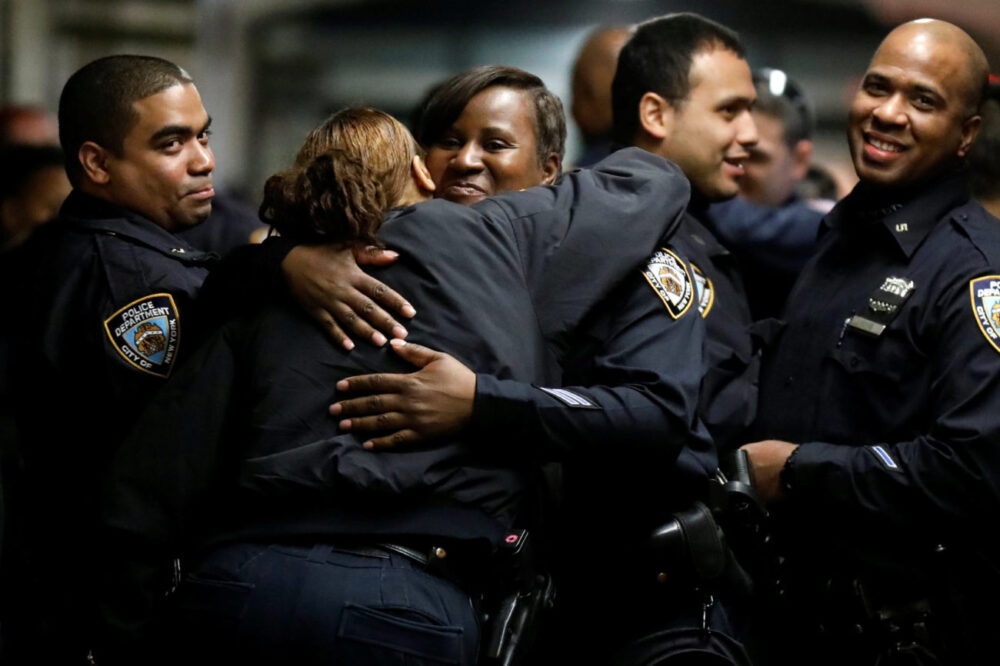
[(593, 72), (25, 124), (33, 184), (770, 227), (984, 159)]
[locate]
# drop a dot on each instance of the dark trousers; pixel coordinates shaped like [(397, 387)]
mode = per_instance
[(278, 604)]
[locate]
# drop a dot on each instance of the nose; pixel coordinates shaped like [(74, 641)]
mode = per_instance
[(890, 111), (202, 160), (746, 131), (469, 157)]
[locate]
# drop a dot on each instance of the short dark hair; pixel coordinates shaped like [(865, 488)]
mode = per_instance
[(96, 102), (444, 103), (657, 59), (780, 97)]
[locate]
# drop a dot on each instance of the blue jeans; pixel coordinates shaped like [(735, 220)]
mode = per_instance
[(279, 604)]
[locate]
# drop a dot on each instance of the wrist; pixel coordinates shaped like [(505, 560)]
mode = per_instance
[(786, 477)]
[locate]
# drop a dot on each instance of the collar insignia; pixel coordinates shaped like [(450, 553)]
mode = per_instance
[(985, 294), (668, 277), (146, 333)]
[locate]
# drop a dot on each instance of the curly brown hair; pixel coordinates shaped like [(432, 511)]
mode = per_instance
[(348, 173)]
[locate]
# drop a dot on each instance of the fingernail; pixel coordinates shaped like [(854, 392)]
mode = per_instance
[(378, 338), (409, 310), (348, 344), (399, 332), (345, 424), (391, 253), (343, 385), (397, 343), (335, 409), (369, 445)]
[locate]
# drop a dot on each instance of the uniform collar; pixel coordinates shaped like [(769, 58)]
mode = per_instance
[(92, 214), (907, 216), (695, 226)]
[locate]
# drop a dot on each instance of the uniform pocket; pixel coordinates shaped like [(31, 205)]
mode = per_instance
[(377, 635)]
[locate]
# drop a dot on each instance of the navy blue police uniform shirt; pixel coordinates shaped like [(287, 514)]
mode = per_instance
[(729, 390), (887, 373), (502, 286), (103, 323)]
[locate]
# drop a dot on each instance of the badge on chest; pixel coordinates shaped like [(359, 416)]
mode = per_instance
[(882, 307)]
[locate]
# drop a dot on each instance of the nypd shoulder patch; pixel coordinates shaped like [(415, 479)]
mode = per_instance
[(985, 294), (704, 290), (146, 333), (668, 276)]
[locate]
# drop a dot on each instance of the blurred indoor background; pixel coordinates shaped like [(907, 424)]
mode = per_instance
[(269, 70)]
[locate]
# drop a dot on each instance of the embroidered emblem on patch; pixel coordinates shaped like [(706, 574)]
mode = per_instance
[(985, 294), (146, 333), (668, 277), (704, 290), (570, 398)]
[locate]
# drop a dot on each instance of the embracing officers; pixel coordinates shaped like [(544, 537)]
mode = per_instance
[(880, 395)]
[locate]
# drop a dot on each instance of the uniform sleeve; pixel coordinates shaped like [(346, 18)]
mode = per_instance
[(631, 385), (163, 471), (579, 238), (944, 480)]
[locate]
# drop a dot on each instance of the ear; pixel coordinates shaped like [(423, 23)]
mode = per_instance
[(801, 157), (656, 115), (970, 128), (551, 168), (94, 160), (421, 176)]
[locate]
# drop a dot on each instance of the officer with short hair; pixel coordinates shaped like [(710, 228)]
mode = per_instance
[(110, 314), (880, 396)]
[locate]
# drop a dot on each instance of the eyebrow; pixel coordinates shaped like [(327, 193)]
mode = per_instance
[(178, 130)]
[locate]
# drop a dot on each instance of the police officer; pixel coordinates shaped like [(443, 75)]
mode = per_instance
[(255, 438), (879, 399), (110, 313), (705, 130), (683, 90)]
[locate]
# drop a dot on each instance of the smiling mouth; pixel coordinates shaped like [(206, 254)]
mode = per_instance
[(885, 145), (735, 162), (466, 188)]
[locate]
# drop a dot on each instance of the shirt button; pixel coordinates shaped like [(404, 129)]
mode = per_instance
[(854, 362), (789, 380)]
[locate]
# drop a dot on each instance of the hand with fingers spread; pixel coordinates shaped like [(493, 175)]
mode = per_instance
[(326, 280), (432, 402)]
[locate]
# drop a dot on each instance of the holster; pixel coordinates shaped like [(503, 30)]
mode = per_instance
[(512, 609)]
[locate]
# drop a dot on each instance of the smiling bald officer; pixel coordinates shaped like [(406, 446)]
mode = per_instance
[(881, 394)]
